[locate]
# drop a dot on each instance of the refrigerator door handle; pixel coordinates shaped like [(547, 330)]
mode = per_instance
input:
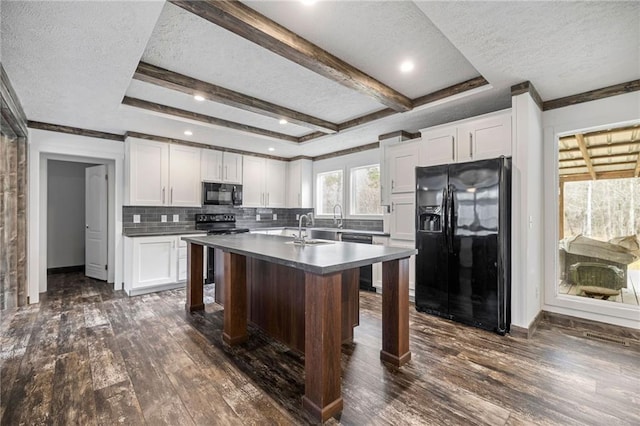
[(450, 219)]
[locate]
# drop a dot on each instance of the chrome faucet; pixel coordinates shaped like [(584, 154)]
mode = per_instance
[(336, 219), (309, 219)]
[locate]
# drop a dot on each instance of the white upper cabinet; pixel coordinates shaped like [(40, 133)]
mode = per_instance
[(159, 174), (402, 161), (438, 146), (487, 136), (146, 172), (299, 184), (218, 166), (184, 176), (264, 182)]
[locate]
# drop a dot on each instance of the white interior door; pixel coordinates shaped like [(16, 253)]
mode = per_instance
[(96, 198)]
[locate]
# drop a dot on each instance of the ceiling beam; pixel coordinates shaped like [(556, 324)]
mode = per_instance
[(605, 132), (636, 172), (251, 25), (592, 95), (632, 142), (74, 131), (197, 118), (618, 174), (585, 155), (191, 86), (598, 157)]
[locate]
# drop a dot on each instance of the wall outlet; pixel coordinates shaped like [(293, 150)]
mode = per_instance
[(136, 218), (176, 218), (297, 217), (257, 218), (163, 218), (275, 216)]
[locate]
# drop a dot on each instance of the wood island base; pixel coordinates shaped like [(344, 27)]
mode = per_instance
[(311, 313)]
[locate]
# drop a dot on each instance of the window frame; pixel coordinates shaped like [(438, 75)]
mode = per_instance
[(352, 192), (318, 202)]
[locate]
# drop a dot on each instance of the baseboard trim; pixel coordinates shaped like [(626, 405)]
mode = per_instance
[(527, 332), (65, 269), (591, 325)]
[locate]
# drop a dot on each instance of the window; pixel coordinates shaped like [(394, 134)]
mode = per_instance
[(365, 191), (330, 187)]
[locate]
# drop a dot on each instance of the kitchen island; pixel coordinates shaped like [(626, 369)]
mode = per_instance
[(307, 297)]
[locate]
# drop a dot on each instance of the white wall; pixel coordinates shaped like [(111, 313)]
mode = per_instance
[(344, 163), (601, 114), (65, 213), (43, 146), (527, 212)]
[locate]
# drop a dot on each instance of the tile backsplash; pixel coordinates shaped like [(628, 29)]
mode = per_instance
[(151, 218)]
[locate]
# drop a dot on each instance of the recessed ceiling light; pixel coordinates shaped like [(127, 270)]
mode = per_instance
[(271, 149), (308, 2), (188, 132), (199, 98), (406, 66), (283, 121)]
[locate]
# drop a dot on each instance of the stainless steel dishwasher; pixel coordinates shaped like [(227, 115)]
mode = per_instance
[(366, 276)]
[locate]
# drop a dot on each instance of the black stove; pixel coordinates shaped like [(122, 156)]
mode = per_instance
[(218, 224)]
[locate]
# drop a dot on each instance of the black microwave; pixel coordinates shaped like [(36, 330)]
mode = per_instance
[(221, 194)]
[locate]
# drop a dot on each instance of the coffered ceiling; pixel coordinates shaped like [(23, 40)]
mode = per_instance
[(331, 68)]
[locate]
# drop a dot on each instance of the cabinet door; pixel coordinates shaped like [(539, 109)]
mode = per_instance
[(232, 168), (184, 176), (211, 165), (299, 184), (402, 226), (438, 147), (253, 181), (148, 173), (490, 137), (403, 160), (276, 181), (154, 261)]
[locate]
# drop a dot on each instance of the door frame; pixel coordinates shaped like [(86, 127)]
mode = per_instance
[(605, 113), (45, 145)]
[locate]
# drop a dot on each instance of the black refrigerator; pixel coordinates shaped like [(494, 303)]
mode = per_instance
[(463, 237)]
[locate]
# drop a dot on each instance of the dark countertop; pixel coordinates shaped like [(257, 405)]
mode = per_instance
[(162, 233), (318, 259)]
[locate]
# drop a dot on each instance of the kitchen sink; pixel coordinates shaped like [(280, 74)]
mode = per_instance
[(311, 242)]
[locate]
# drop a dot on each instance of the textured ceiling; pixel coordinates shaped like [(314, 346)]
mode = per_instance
[(71, 63)]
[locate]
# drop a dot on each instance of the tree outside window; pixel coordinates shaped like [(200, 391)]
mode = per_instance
[(330, 188), (365, 190)]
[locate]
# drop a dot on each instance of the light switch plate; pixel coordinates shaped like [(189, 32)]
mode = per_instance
[(163, 218), (136, 218), (257, 218), (275, 216), (297, 217), (176, 218)]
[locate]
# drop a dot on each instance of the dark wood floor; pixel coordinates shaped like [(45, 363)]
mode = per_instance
[(87, 355)]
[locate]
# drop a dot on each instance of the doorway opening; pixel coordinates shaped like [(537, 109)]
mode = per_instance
[(77, 193), (599, 215)]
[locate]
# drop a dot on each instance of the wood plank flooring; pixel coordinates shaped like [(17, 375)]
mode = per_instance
[(87, 355)]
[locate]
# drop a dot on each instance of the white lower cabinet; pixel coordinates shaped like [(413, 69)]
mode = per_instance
[(377, 267), (154, 263)]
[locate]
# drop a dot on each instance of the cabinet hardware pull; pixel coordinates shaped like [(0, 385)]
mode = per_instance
[(163, 195), (220, 171), (471, 144), (393, 206), (226, 172), (393, 184), (453, 148)]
